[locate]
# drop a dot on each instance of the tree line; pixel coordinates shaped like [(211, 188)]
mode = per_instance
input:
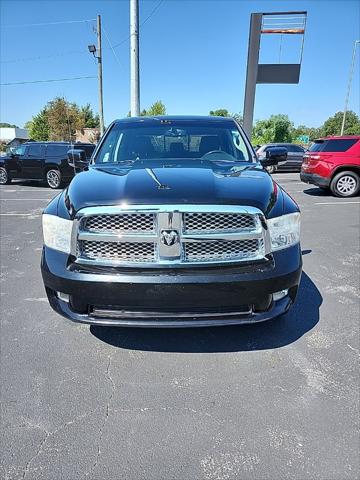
[(279, 128), (59, 119)]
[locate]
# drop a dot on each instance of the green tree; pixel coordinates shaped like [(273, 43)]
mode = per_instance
[(64, 119), (277, 128), (220, 112), (332, 126), (157, 108), (8, 125), (39, 128), (89, 119), (311, 132)]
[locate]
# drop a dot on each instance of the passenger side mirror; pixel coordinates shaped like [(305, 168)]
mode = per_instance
[(77, 158), (274, 155)]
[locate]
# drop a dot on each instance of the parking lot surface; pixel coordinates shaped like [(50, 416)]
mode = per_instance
[(276, 400)]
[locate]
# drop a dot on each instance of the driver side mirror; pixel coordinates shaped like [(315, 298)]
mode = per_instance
[(274, 156), (77, 158)]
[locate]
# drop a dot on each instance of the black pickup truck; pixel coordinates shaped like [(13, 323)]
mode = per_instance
[(42, 161), (174, 223)]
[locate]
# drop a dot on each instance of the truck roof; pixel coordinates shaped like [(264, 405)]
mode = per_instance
[(173, 118)]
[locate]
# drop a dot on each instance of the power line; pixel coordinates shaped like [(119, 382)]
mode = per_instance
[(141, 23), (75, 52), (47, 81), (112, 48), (53, 55), (152, 13), (48, 23)]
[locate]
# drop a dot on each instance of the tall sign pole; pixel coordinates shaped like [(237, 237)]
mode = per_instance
[(280, 23), (134, 59), (99, 58), (252, 70)]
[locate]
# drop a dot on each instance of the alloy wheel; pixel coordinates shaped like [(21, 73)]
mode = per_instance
[(3, 176), (53, 178), (346, 185)]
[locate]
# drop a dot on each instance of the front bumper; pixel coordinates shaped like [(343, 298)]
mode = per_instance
[(314, 179), (181, 298)]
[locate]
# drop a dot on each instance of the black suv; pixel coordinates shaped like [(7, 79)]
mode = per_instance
[(42, 161), (174, 223)]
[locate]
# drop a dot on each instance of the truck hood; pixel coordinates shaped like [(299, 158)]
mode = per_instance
[(174, 182)]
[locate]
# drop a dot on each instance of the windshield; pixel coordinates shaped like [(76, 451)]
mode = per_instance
[(174, 140)]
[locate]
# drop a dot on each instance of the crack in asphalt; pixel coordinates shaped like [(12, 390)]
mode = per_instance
[(107, 411), (47, 436)]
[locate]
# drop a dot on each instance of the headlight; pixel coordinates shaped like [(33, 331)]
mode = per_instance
[(57, 232), (284, 231)]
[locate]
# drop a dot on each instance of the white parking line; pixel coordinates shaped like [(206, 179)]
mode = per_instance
[(337, 203), (24, 199), (20, 214), (36, 190)]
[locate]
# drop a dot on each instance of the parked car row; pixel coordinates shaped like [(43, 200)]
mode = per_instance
[(42, 161), (330, 163)]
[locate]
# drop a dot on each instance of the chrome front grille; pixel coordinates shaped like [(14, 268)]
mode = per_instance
[(219, 222), (125, 252), (126, 222), (220, 250), (176, 235)]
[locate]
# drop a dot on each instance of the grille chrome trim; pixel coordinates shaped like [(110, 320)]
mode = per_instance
[(171, 217), (118, 238)]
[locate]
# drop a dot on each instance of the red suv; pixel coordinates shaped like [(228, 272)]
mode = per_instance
[(334, 162)]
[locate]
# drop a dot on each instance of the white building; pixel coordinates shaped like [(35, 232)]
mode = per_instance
[(13, 136)]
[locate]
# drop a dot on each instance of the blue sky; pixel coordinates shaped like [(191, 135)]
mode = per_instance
[(192, 57)]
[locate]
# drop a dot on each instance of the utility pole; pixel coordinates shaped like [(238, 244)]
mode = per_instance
[(356, 43), (99, 58), (134, 59)]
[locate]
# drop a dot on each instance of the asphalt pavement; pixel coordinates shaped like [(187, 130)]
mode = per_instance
[(273, 401)]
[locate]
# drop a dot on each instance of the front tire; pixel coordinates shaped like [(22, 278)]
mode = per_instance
[(53, 178), (4, 176), (271, 169), (345, 184)]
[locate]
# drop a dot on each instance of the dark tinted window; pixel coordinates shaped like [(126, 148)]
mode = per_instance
[(317, 146), (294, 148), (176, 139), (20, 150), (56, 150), (340, 145), (334, 145), (35, 150)]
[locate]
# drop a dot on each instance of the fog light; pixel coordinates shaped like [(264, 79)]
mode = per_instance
[(63, 296), (280, 295)]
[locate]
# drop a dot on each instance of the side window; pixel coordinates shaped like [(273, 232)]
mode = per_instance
[(20, 150), (56, 150), (110, 148), (339, 145), (35, 150), (298, 149), (239, 144)]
